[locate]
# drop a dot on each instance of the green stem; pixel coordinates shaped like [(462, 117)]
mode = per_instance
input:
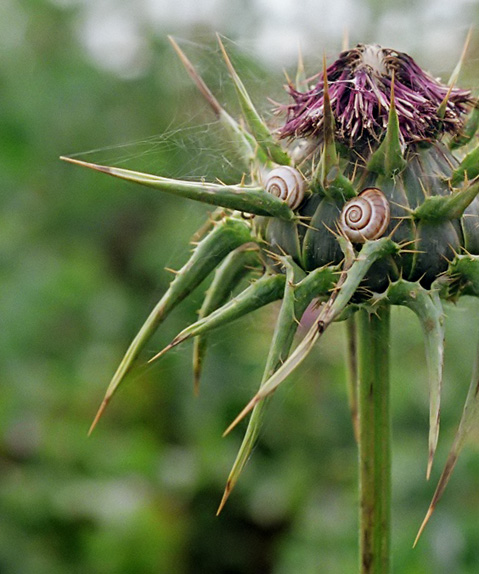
[(352, 371), (374, 442)]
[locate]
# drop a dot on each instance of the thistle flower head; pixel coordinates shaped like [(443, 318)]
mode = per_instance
[(380, 219), (360, 83)]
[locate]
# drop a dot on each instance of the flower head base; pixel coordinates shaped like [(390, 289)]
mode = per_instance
[(360, 92)]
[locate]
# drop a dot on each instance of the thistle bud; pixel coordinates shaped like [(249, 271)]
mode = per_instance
[(377, 133)]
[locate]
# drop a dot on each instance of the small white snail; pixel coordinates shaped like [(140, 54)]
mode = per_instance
[(286, 183), (365, 216)]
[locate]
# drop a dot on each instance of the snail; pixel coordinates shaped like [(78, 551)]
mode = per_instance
[(365, 216), (286, 183)]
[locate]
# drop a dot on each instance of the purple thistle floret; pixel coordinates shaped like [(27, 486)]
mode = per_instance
[(359, 83)]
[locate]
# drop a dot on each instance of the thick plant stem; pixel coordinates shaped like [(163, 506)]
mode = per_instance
[(352, 372), (374, 442)]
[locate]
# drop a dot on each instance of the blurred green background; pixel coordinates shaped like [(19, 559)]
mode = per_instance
[(82, 260)]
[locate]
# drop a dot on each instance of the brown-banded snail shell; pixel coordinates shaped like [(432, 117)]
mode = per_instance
[(286, 183), (365, 216)]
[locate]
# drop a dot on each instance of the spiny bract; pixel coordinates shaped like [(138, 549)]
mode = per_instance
[(359, 200)]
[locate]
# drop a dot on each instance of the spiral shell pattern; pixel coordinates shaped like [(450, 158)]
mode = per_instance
[(286, 183), (366, 216)]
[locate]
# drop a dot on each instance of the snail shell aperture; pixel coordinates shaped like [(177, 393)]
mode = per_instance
[(365, 216), (286, 183)]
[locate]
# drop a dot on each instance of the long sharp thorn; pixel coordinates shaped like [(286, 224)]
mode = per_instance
[(468, 169), (173, 344), (246, 143), (99, 414), (423, 526), (329, 157), (441, 111), (388, 158), (428, 308), (467, 424), (301, 83), (438, 208), (301, 351), (226, 494), (257, 126), (457, 70), (328, 116), (197, 79), (249, 199), (469, 129), (248, 408)]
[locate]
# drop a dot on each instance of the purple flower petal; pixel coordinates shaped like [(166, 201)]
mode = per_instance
[(359, 84)]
